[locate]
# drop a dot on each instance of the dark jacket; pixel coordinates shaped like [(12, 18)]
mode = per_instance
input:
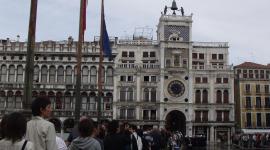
[(114, 142)]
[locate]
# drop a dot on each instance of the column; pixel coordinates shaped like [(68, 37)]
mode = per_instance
[(137, 112), (212, 134), (138, 87), (229, 136), (39, 74), (15, 73), (72, 75), (56, 73), (64, 77), (24, 73), (7, 75), (48, 75), (208, 135)]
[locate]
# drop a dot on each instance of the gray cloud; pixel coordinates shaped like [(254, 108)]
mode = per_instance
[(242, 23)]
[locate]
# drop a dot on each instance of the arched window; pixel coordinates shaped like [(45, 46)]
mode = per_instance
[(92, 101), (108, 101), (59, 100), (10, 100), (109, 78), (130, 94), (84, 101), (219, 96), (36, 73), (2, 99), (93, 75), (60, 74), (102, 74), (226, 97), (18, 100), (122, 94), (34, 95), (68, 100), (44, 72), (205, 96), (198, 97), (51, 96), (11, 75), (146, 94), (52, 74), (42, 93), (68, 75), (153, 95), (20, 73), (85, 75), (3, 73)]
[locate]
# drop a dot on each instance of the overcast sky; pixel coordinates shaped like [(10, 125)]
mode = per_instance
[(245, 24)]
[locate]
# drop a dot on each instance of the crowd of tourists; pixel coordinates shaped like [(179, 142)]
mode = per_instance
[(258, 140), (40, 134)]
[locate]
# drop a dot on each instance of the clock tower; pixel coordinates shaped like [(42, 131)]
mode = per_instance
[(174, 36)]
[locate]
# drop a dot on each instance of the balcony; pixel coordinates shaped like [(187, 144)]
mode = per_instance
[(127, 66), (211, 67), (149, 84), (91, 113), (146, 118), (211, 44), (137, 42), (127, 83)]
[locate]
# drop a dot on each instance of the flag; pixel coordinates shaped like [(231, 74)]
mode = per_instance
[(84, 16), (104, 38)]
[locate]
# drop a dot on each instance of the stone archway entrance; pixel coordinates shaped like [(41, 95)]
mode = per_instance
[(176, 121)]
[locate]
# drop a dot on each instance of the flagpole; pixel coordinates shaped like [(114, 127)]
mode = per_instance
[(29, 69), (100, 66), (79, 56)]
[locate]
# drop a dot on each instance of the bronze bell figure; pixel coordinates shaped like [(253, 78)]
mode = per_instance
[(174, 7)]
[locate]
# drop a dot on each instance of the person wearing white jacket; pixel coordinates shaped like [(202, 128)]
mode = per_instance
[(40, 131), (136, 137)]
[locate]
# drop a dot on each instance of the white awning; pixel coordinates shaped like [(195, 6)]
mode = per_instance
[(252, 131)]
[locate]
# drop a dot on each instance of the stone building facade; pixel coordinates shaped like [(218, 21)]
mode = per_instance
[(55, 77), (252, 97), (175, 83), (171, 82)]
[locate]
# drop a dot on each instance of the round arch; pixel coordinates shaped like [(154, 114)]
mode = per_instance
[(176, 121)]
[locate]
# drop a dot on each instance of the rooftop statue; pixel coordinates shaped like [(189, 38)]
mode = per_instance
[(182, 11), (165, 10)]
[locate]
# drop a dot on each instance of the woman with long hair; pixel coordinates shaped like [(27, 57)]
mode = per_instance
[(14, 131)]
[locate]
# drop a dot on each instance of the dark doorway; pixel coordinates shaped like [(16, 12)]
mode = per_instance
[(176, 121)]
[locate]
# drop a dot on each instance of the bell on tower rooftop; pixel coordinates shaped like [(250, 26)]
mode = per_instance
[(174, 7)]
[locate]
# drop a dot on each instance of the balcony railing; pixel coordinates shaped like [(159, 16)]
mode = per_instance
[(137, 66), (211, 67), (137, 42), (211, 44), (146, 118)]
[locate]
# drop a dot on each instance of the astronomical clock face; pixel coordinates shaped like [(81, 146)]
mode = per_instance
[(176, 88)]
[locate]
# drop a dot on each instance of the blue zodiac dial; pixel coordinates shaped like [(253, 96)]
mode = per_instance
[(176, 88)]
